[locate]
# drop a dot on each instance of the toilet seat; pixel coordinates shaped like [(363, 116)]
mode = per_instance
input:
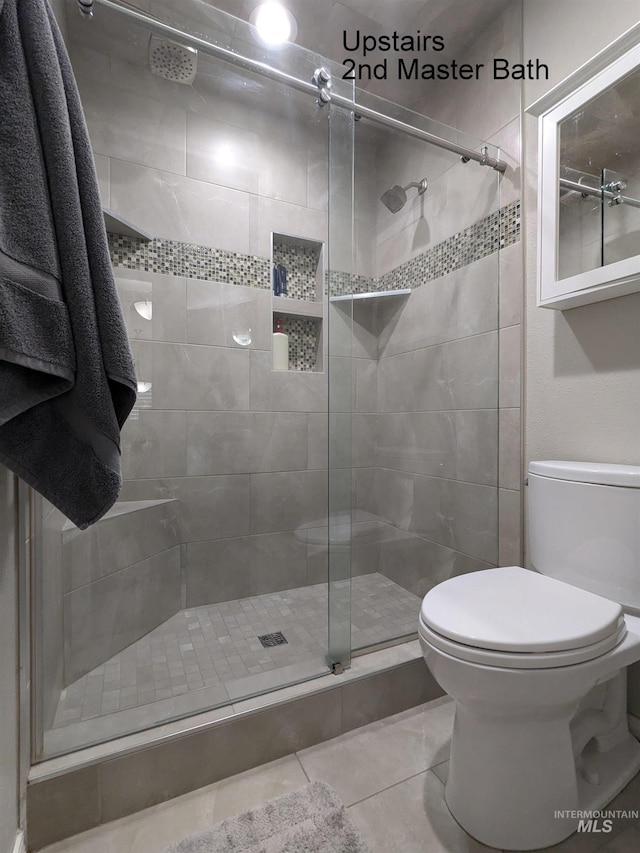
[(520, 660), (515, 618)]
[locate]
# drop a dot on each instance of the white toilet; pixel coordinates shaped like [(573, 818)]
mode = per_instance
[(535, 661)]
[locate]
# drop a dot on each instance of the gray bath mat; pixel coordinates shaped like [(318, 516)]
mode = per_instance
[(311, 820)]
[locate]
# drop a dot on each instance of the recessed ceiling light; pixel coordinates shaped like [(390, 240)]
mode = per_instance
[(275, 24)]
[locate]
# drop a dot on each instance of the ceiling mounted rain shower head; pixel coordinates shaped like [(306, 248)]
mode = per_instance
[(172, 60), (396, 198)]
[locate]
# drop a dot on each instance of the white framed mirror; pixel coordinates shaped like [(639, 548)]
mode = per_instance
[(589, 180)]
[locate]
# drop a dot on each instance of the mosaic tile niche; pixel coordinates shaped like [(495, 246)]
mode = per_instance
[(301, 260), (303, 263), (304, 340)]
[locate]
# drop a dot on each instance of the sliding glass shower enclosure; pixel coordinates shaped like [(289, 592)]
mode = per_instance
[(315, 441)]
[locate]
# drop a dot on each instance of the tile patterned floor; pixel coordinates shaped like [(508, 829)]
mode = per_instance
[(218, 644), (390, 775)]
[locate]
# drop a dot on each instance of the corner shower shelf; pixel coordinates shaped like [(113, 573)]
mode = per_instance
[(116, 224), (379, 294)]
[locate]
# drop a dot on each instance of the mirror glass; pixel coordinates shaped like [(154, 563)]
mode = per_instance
[(599, 177)]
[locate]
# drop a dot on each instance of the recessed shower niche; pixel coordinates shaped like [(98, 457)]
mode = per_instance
[(297, 288)]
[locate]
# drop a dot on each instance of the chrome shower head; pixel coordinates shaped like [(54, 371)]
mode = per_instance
[(396, 198), (172, 60)]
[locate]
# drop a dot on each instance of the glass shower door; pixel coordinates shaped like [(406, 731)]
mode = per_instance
[(341, 380), (206, 584)]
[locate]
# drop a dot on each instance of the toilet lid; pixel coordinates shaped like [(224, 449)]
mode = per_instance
[(517, 610)]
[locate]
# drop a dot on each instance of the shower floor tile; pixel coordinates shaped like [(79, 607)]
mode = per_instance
[(217, 645)]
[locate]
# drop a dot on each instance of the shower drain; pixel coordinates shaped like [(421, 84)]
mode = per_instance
[(277, 639)]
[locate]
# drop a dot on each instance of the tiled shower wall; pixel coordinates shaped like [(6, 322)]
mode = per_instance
[(427, 368)]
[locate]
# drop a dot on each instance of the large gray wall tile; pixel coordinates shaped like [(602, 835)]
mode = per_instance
[(246, 442), (103, 169), (154, 444), (286, 501), (201, 378), (317, 440), (270, 214), (225, 154), (461, 516), (364, 433), (133, 127), (140, 195), (213, 507), (457, 445), (510, 453), (167, 294), (461, 374), (342, 382), (216, 312), (460, 304), (366, 385), (227, 569), (285, 390), (511, 285), (417, 564), (510, 366)]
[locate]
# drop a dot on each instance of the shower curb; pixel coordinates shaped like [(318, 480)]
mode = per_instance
[(65, 798)]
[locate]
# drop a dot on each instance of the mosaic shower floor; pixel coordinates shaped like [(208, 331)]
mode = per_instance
[(217, 645)]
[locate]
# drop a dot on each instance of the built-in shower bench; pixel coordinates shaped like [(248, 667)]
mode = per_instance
[(125, 571)]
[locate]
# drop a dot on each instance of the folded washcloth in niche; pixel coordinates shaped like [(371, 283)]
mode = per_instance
[(67, 382)]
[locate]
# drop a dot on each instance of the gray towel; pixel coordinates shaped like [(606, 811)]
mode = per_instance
[(67, 382)]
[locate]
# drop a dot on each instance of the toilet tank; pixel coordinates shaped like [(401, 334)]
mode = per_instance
[(584, 527)]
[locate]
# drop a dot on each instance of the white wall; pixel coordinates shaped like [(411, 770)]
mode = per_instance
[(582, 376)]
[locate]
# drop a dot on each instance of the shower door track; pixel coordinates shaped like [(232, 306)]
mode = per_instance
[(262, 68)]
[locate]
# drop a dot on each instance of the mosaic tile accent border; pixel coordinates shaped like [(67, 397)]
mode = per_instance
[(496, 231), (171, 257)]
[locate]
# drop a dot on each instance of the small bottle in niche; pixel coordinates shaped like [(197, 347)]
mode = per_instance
[(280, 346), (282, 280)]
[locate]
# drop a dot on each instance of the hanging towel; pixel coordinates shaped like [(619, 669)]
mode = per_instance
[(67, 382)]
